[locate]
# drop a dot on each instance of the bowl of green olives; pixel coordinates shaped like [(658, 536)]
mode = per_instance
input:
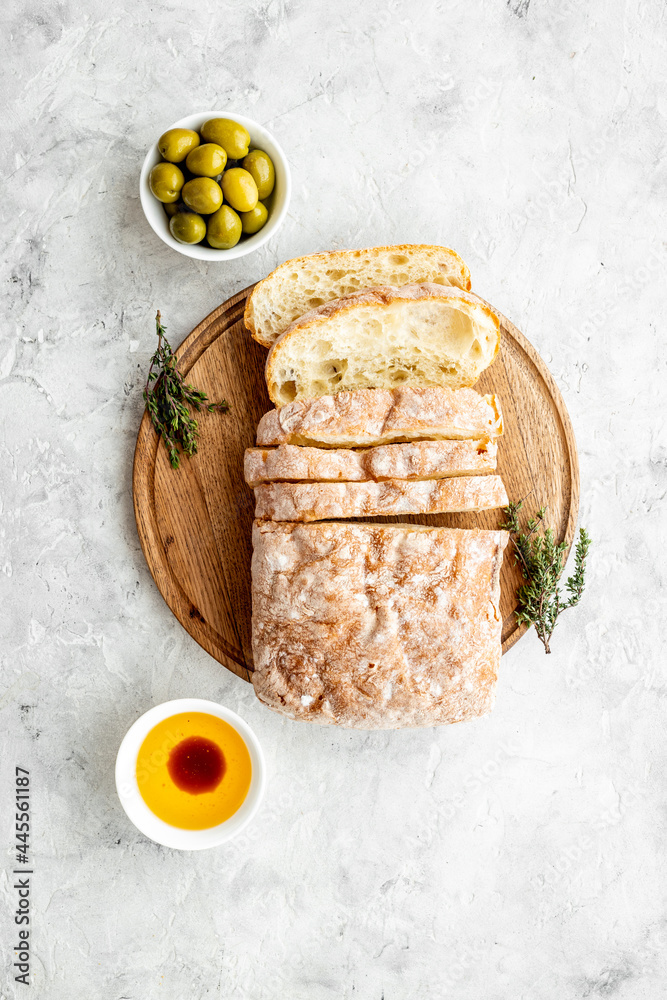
[(215, 186)]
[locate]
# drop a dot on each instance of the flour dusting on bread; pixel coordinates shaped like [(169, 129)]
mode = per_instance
[(376, 626)]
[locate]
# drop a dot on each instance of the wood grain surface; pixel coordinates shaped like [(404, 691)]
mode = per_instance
[(195, 523)]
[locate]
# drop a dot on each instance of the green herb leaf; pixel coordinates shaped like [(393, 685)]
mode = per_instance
[(168, 397), (542, 560)]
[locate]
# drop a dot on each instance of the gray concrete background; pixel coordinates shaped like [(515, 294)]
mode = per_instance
[(520, 856)]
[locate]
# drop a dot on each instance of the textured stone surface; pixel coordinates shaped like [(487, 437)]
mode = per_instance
[(520, 856)]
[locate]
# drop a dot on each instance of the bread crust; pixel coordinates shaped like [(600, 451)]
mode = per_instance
[(371, 417), (376, 626), (321, 501), (413, 461), (269, 289)]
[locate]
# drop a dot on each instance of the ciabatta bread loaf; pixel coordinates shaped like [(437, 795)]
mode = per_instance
[(382, 416), (299, 285), (376, 626), (322, 501), (418, 335), (416, 460)]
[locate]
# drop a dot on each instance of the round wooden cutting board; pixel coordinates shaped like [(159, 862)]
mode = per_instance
[(195, 523)]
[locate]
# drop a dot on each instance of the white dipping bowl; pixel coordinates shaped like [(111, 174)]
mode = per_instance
[(279, 199), (151, 825)]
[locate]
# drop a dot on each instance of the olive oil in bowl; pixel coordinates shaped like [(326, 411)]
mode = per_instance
[(194, 770), (190, 774)]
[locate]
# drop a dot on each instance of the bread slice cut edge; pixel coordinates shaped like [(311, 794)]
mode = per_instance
[(372, 417), (325, 501), (416, 460), (416, 335), (299, 285)]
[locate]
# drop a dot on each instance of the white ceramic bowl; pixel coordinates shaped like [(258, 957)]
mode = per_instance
[(278, 203), (137, 810)]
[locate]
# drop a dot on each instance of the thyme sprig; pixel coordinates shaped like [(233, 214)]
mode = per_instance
[(542, 560), (168, 397)]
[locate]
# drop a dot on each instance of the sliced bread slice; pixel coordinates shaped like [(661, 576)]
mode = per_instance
[(418, 335), (302, 284), (323, 501), (382, 416), (416, 460)]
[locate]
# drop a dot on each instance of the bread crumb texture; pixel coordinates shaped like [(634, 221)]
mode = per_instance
[(305, 283), (422, 335)]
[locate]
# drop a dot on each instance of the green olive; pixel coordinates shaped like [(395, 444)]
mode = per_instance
[(253, 220), (233, 138), (166, 181), (207, 161), (172, 207), (175, 144), (202, 195), (187, 227), (239, 189), (260, 167), (224, 228)]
